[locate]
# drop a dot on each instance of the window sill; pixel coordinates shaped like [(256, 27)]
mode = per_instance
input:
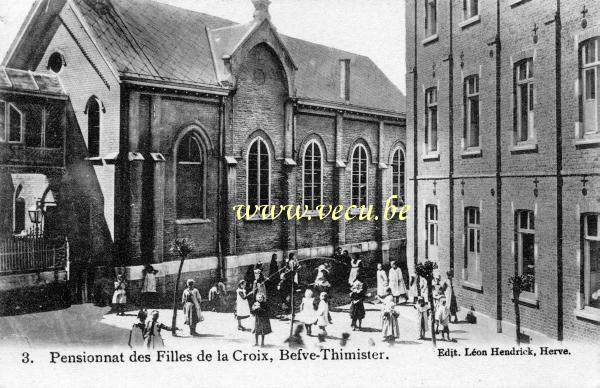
[(193, 221), (472, 286), (95, 160), (524, 147), (356, 211), (587, 141), (514, 3), (470, 21), (430, 39), (431, 156), (471, 152), (588, 313), (311, 213), (530, 300), (257, 219)]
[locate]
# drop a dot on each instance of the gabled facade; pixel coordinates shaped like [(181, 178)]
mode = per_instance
[(185, 115)]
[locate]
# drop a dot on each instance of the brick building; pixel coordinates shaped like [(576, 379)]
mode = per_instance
[(503, 155), (181, 116)]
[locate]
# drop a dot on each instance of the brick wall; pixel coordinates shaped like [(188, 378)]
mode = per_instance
[(474, 175)]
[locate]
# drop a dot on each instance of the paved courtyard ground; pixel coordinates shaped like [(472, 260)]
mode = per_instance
[(88, 325)]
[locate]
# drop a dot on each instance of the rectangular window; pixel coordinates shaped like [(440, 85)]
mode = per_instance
[(591, 262), (345, 79), (15, 124), (431, 218), (473, 245), (526, 246), (524, 101), (471, 100), (431, 120), (470, 8), (430, 17), (589, 77)]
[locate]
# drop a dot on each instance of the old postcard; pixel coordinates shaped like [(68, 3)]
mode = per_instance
[(286, 193)]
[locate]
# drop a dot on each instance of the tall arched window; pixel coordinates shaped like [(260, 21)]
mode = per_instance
[(258, 179), (93, 112), (360, 174), (398, 177), (19, 211), (312, 176), (190, 178)]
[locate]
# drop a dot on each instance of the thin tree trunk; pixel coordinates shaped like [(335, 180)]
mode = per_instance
[(175, 294), (430, 296), (517, 320)]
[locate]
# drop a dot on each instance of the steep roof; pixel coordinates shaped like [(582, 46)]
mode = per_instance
[(151, 40)]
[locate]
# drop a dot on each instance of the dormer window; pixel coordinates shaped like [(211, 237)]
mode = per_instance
[(345, 79)]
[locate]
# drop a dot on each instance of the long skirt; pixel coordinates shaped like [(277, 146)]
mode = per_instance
[(357, 310), (191, 314), (154, 342), (423, 322), (389, 326), (262, 325)]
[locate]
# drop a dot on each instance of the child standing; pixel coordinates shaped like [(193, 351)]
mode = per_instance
[(137, 330), (119, 298), (413, 292), (152, 336), (382, 281), (390, 330), (242, 308), (262, 325), (308, 312), (357, 307), (323, 317), (422, 313), (444, 318), (217, 295), (149, 294)]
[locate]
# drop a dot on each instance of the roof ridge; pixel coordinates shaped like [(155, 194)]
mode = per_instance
[(326, 46), (191, 10)]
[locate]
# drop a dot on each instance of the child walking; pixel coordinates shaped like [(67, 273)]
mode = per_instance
[(262, 325), (323, 317), (242, 308), (308, 312)]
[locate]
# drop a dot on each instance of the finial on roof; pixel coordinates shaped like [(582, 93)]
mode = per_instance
[(261, 10)]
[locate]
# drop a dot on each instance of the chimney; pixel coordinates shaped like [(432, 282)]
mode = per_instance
[(261, 10)]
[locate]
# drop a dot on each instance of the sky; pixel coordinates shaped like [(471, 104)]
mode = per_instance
[(374, 28)]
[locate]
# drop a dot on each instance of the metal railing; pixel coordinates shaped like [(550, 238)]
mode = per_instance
[(31, 253)]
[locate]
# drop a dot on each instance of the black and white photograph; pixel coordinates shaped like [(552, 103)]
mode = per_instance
[(300, 193)]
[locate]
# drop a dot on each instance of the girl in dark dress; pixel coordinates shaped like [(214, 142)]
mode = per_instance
[(262, 325), (357, 307)]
